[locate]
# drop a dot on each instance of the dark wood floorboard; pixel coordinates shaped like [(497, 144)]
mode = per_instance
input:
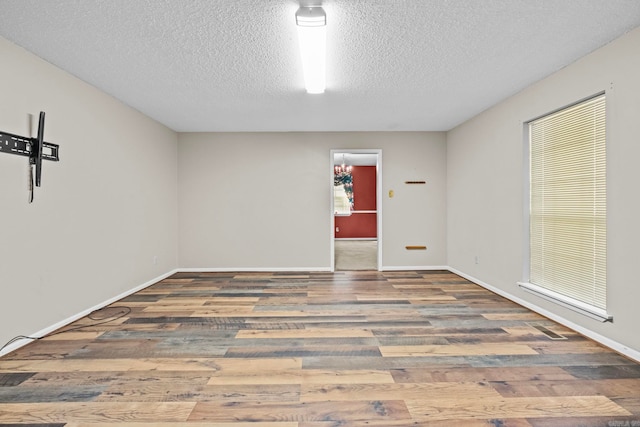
[(345, 349)]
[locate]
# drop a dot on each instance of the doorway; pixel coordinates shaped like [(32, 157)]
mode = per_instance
[(356, 209)]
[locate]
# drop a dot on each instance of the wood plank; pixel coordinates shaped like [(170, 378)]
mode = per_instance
[(631, 404), (167, 392), (305, 333), (115, 378), (300, 352), (449, 407), (51, 393), (457, 373), (531, 316), (292, 411), (566, 347), (595, 421), (185, 424), (304, 376), (175, 364), (60, 412), (362, 391), (199, 310), (250, 314), (70, 336), (456, 350), (430, 423), (610, 387), (605, 371), (13, 379)]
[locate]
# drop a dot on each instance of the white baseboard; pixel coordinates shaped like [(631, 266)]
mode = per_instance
[(614, 345), (41, 333), (253, 269), (414, 267)]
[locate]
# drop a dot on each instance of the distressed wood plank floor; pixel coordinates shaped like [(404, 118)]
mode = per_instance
[(350, 349)]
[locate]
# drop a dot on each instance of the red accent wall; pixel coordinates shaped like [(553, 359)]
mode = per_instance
[(364, 188), (360, 225), (356, 226)]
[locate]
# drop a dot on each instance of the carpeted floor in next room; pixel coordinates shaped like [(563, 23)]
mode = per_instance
[(356, 255)]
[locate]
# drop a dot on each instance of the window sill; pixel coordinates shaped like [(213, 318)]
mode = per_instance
[(567, 302)]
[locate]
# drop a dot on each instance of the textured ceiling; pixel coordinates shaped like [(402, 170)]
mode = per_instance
[(233, 65)]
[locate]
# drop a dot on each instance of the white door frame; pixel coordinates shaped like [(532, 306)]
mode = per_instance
[(378, 153)]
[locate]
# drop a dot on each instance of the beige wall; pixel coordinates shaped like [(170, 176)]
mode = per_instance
[(486, 181), (103, 212), (262, 200)]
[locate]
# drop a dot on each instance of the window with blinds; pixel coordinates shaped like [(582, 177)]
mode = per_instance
[(567, 217)]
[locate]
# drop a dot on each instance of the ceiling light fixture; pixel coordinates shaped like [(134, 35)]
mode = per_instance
[(343, 168), (312, 34)]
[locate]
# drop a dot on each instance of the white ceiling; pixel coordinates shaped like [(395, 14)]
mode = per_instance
[(355, 159), (233, 65)]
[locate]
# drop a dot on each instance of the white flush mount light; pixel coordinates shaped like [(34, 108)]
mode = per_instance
[(312, 33)]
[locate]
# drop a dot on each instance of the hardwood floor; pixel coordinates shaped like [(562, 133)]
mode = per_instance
[(350, 349)]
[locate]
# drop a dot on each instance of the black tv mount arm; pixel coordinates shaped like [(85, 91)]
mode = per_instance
[(34, 148)]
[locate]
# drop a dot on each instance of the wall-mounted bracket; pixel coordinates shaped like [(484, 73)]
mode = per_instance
[(36, 149), (16, 144)]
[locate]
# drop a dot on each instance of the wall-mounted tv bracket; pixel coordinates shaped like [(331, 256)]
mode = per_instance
[(34, 148)]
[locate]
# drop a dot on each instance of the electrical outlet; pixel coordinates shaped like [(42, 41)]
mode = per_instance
[(155, 260), (477, 259)]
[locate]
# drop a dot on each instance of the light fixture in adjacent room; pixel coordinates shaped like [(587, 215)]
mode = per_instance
[(312, 29), (342, 168)]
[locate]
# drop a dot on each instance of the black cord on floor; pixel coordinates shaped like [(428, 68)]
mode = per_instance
[(122, 311)]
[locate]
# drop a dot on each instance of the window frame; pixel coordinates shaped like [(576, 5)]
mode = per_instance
[(544, 292)]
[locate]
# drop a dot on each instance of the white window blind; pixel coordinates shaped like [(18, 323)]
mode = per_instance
[(568, 203)]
